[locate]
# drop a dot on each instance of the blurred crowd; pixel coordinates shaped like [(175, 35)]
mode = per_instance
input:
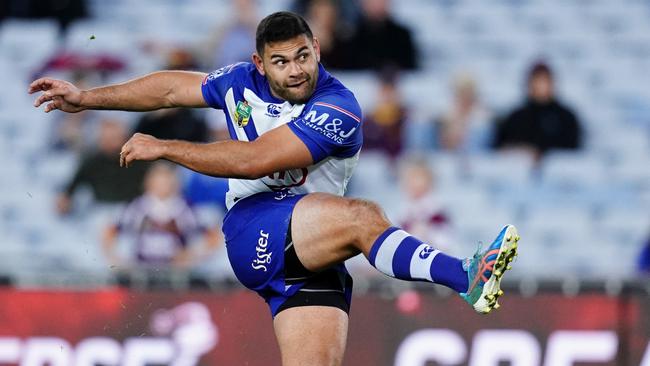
[(159, 202)]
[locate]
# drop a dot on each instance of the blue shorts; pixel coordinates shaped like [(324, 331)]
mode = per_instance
[(255, 230)]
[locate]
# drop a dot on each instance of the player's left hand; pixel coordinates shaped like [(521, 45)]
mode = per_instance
[(141, 147)]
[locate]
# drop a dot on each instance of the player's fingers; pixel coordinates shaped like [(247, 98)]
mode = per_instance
[(128, 158), (35, 86), (51, 106), (126, 147), (45, 97), (40, 84), (122, 154), (123, 161), (49, 95), (125, 153)]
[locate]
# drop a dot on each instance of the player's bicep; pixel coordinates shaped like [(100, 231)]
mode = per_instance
[(187, 89), (277, 150)]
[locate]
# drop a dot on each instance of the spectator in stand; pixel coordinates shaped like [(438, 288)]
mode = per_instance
[(466, 125), (100, 170), (333, 35), (383, 125), (380, 41), (542, 123), (422, 211), (162, 224)]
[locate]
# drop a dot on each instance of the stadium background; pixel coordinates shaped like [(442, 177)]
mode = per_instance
[(584, 215)]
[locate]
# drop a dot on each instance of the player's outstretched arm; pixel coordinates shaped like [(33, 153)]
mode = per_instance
[(274, 151), (163, 89)]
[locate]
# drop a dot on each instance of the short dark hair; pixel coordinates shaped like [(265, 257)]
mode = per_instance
[(280, 26), (540, 68)]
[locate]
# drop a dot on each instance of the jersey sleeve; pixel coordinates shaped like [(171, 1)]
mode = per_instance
[(216, 84), (331, 126)]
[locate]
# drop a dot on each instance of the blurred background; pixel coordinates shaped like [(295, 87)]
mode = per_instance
[(476, 114)]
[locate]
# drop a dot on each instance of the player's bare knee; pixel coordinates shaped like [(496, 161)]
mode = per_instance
[(368, 218), (367, 212)]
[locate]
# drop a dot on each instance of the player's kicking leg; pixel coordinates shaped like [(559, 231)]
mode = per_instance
[(328, 229), (289, 249)]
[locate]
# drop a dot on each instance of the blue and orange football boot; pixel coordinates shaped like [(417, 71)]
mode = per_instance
[(486, 268)]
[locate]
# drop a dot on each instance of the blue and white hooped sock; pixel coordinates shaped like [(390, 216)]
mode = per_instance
[(400, 255)]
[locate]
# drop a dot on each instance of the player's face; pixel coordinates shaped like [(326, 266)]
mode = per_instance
[(291, 67)]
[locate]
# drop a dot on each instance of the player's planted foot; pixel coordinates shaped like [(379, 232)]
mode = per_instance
[(486, 268)]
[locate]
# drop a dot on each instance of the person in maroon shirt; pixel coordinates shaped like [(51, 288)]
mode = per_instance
[(162, 226), (422, 212)]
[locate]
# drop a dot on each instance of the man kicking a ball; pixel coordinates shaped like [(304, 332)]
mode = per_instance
[(296, 136)]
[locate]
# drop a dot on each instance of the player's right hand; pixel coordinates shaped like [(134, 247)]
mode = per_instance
[(60, 94)]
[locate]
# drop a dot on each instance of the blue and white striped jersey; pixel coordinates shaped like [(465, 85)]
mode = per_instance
[(329, 124)]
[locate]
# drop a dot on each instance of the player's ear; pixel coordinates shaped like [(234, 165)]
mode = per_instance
[(316, 44), (259, 64)]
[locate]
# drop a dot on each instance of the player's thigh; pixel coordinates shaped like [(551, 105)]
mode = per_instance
[(327, 229), (311, 335)]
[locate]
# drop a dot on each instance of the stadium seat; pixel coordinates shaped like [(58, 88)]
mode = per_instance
[(501, 169), (446, 168), (573, 169), (560, 218), (628, 226)]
